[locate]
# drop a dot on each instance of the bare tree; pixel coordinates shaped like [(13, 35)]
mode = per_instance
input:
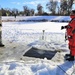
[(8, 11), (32, 12), (63, 6), (26, 10), (51, 5), (40, 9), (66, 6), (15, 12), (70, 3)]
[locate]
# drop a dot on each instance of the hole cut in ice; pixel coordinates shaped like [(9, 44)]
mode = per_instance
[(39, 53)]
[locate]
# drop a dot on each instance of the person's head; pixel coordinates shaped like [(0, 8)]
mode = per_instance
[(72, 14)]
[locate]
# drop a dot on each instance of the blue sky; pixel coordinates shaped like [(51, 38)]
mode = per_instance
[(20, 3)]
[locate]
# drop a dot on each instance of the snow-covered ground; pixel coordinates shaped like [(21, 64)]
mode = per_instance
[(18, 37)]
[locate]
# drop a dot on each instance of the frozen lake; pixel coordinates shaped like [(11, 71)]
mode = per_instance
[(19, 36)]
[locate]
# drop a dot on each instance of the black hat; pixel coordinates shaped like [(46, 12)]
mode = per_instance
[(73, 11)]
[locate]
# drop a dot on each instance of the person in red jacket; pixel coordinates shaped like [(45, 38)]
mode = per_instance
[(70, 30)]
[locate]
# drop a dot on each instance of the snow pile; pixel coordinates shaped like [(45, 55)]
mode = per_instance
[(19, 68), (42, 67)]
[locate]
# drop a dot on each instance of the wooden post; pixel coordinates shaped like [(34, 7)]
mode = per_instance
[(43, 36), (1, 45)]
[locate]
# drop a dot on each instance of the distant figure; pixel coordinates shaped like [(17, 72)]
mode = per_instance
[(1, 45), (0, 21), (15, 15), (70, 31)]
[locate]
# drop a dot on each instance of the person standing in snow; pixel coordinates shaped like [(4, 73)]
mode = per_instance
[(70, 30)]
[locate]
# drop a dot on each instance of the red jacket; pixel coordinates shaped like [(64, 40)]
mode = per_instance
[(71, 35)]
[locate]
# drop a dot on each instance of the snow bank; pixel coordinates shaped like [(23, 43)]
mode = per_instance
[(49, 18)]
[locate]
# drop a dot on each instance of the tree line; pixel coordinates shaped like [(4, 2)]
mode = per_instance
[(54, 8)]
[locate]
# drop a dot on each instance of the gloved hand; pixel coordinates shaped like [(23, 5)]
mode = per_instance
[(70, 37), (62, 27)]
